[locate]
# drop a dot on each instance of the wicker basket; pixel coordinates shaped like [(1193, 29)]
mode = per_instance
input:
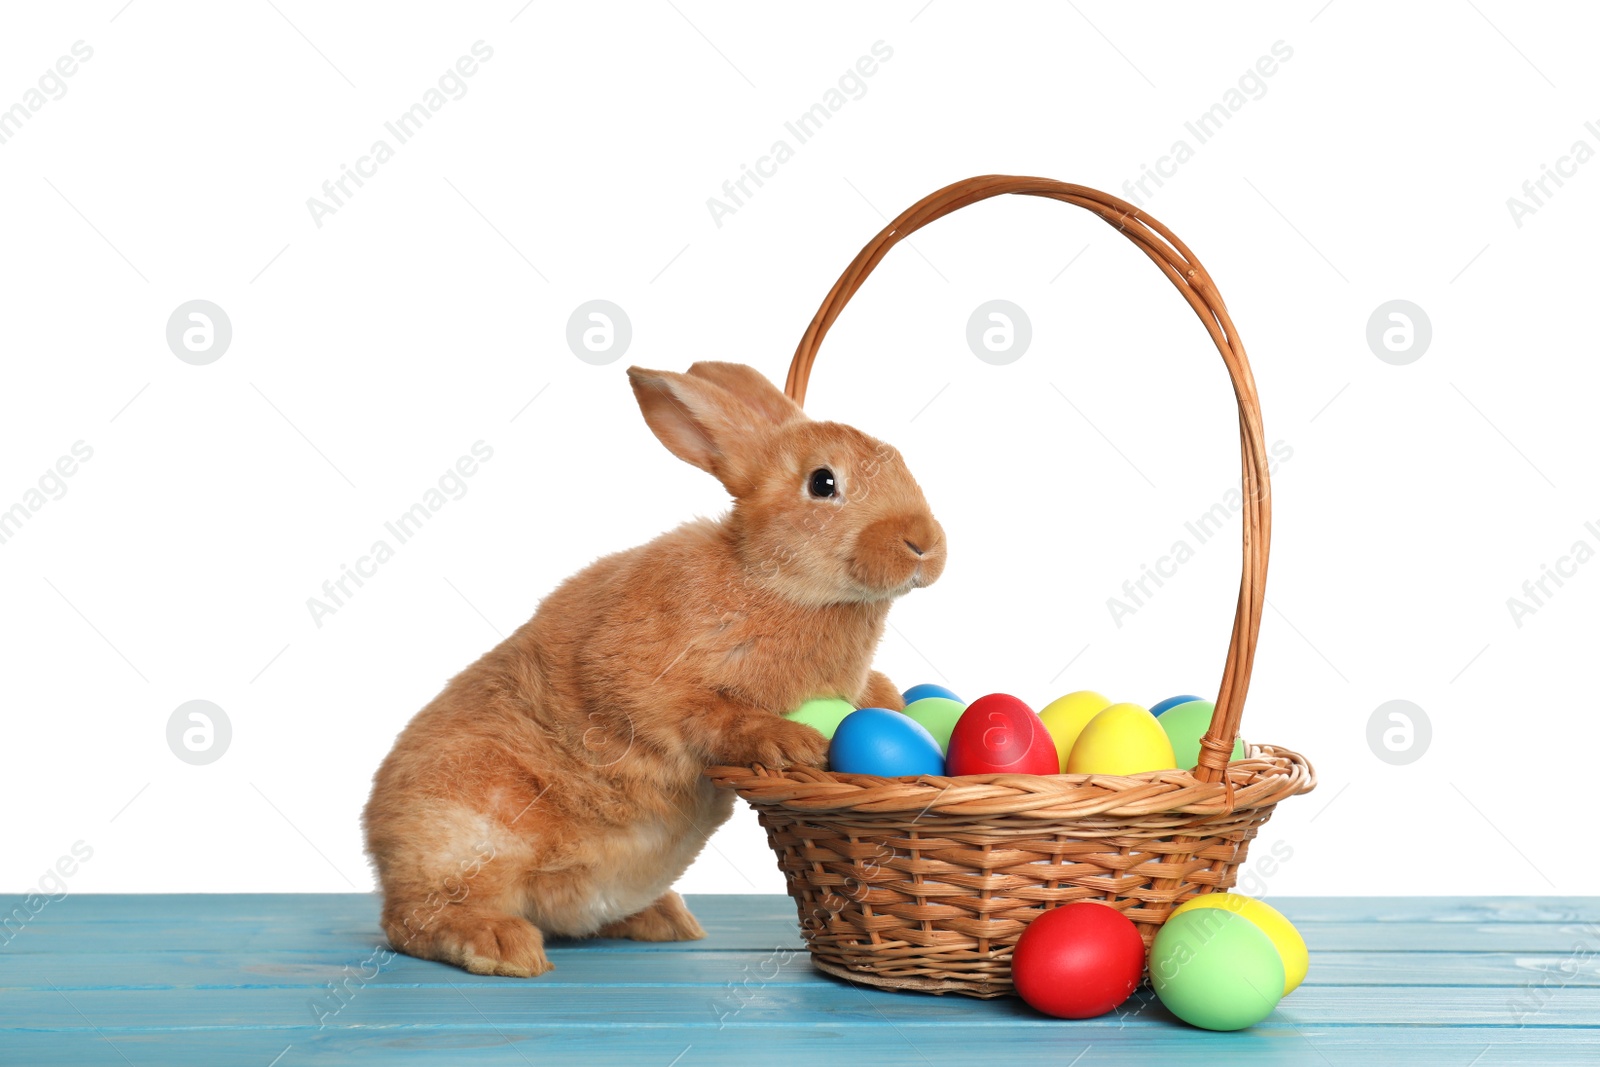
[(927, 883)]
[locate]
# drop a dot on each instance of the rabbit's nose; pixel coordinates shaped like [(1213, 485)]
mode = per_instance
[(912, 545)]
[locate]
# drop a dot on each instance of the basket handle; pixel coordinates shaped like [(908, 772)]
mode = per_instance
[(1185, 272)]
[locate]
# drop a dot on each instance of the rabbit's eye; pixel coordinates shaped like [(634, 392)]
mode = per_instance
[(823, 484)]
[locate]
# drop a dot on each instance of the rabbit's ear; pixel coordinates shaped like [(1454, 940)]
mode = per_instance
[(701, 423), (751, 387)]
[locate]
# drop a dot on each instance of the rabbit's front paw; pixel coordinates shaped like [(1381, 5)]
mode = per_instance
[(779, 743)]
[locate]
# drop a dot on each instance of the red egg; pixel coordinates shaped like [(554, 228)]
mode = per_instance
[(999, 734), (1078, 961)]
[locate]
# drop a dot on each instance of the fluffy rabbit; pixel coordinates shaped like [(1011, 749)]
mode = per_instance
[(555, 786)]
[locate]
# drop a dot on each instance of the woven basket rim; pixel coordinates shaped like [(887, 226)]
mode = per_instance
[(1266, 776)]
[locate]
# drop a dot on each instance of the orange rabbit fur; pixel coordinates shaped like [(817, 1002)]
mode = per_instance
[(554, 786)]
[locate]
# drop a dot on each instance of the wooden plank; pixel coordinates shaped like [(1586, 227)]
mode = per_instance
[(623, 965), (311, 970), (1413, 937), (288, 936), (1432, 909), (308, 933), (257, 923), (1107, 1046), (531, 1006), (1399, 967), (216, 907)]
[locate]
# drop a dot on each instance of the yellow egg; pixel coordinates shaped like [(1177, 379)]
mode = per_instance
[(1065, 719), (1285, 938), (1122, 739)]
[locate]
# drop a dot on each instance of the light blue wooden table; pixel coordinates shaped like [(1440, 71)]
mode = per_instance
[(222, 980)]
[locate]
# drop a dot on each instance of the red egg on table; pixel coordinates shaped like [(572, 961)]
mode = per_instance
[(1078, 961), (999, 734)]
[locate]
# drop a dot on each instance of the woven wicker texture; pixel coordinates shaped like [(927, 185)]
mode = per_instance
[(927, 883)]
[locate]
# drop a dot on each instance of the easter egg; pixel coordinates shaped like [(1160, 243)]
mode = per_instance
[(1078, 961), (1215, 969), (1162, 707), (1285, 938), (883, 742), (1185, 725), (823, 714), (999, 734), (922, 692), (1122, 739), (1066, 717), (939, 715)]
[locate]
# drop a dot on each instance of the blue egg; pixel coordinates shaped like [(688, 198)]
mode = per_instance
[(918, 692), (883, 742), (1170, 703)]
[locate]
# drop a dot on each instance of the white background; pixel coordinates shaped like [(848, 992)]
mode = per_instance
[(430, 311)]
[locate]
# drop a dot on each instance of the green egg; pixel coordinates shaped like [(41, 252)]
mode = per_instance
[(1185, 725), (938, 716), (1216, 969), (823, 714)]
